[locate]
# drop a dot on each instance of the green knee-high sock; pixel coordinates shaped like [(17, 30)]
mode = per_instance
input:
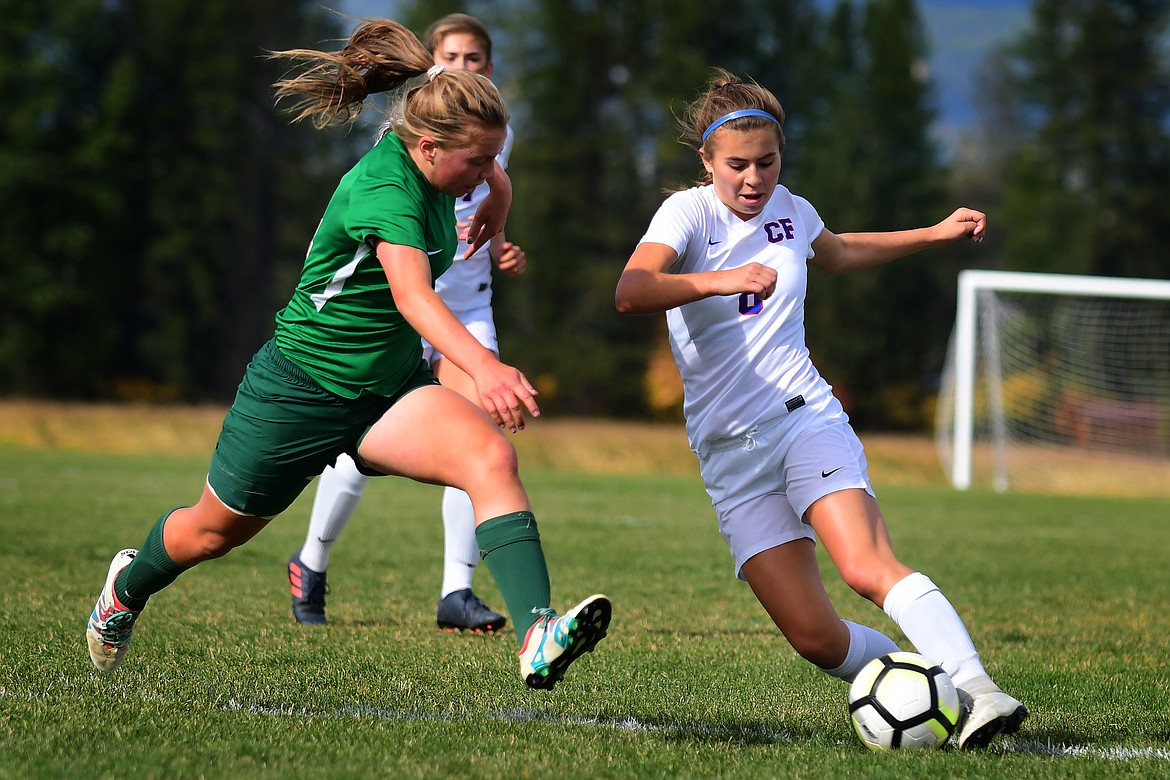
[(150, 571), (510, 546)]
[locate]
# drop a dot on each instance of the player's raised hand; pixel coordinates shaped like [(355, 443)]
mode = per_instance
[(964, 222)]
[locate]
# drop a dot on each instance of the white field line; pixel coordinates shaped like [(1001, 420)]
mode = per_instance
[(1082, 751), (1054, 750)]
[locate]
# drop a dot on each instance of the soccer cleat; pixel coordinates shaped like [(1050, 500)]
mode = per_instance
[(552, 642), (462, 610), (987, 715), (110, 623), (308, 592)]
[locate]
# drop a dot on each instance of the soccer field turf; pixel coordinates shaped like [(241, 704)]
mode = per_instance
[(1066, 599)]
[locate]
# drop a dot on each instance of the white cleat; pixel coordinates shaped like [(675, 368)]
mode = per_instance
[(552, 642), (986, 715)]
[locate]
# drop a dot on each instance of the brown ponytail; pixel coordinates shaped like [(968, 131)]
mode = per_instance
[(383, 56)]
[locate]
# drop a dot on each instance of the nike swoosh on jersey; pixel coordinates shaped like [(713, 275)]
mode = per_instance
[(826, 474), (434, 251)]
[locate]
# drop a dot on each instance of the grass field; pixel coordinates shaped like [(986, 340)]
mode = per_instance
[(1066, 598)]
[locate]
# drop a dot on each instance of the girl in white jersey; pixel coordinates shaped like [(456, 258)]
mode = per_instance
[(456, 41), (727, 261)]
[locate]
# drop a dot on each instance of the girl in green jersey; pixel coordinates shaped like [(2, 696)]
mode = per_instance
[(455, 41), (344, 371)]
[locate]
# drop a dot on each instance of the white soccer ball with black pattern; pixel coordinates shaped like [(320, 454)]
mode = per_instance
[(902, 700)]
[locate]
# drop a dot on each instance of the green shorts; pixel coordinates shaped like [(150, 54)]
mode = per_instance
[(283, 430)]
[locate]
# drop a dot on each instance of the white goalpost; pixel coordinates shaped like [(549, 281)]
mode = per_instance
[(1055, 381)]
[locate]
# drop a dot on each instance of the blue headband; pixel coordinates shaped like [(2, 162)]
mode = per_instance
[(737, 115)]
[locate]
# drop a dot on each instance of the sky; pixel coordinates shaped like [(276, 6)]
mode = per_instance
[(960, 34)]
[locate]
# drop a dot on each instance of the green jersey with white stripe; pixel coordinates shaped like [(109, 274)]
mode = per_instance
[(342, 326)]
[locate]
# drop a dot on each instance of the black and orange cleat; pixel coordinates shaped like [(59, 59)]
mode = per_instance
[(462, 610), (308, 592)]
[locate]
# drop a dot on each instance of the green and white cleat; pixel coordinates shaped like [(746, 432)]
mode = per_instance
[(110, 623), (553, 642)]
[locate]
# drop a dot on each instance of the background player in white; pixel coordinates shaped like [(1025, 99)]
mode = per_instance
[(456, 41), (344, 371), (728, 263)]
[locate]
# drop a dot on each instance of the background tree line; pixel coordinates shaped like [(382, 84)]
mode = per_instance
[(156, 205)]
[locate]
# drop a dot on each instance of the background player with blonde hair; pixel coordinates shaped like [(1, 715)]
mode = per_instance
[(456, 41)]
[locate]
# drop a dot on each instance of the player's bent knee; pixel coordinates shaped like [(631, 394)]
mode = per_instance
[(201, 535), (865, 580), (214, 545), (487, 466), (498, 458)]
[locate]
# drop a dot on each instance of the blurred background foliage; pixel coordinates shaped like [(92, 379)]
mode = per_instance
[(157, 205)]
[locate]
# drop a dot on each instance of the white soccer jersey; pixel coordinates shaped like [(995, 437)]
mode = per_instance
[(467, 284), (742, 360)]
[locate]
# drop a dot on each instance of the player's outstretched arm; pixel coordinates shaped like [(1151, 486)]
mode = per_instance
[(504, 392), (839, 254)]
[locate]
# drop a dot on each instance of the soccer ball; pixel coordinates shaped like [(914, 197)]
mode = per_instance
[(902, 700)]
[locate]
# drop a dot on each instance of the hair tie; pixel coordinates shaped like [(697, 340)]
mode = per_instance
[(737, 115), (433, 71)]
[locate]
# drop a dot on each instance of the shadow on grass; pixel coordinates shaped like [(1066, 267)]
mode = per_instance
[(739, 733), (707, 633), (1056, 744)]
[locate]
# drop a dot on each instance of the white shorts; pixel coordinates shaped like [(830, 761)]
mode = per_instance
[(480, 323), (762, 488)]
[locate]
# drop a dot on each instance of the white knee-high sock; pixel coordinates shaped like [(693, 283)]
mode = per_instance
[(460, 550), (930, 622), (338, 490), (865, 644)]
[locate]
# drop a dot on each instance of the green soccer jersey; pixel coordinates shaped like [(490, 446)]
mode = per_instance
[(341, 325)]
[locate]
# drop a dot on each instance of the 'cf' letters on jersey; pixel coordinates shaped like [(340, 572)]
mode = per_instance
[(780, 230)]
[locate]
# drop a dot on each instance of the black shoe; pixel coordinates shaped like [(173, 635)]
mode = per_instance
[(462, 610), (308, 591)]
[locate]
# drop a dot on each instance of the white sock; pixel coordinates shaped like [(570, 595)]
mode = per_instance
[(865, 644), (460, 550), (930, 622), (338, 490)]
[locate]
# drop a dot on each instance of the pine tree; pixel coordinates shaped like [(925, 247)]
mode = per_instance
[(1088, 86), (154, 192), (867, 162)]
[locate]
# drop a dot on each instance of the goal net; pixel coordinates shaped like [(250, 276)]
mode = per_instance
[(1058, 383)]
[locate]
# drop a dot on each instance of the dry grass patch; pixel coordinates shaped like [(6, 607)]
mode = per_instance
[(590, 446), (113, 428)]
